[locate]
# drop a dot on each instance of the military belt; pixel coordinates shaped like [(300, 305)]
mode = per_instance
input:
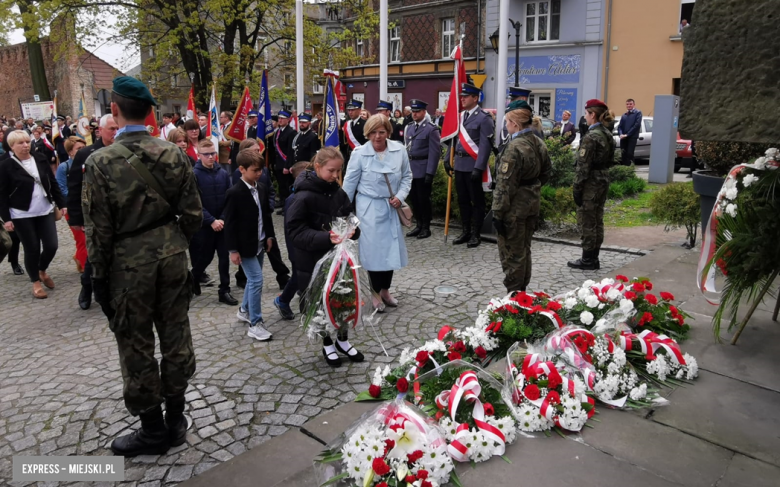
[(157, 224), (462, 154), (418, 158)]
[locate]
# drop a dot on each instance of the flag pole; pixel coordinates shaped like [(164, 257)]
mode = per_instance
[(449, 193)]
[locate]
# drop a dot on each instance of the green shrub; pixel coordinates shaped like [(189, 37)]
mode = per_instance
[(677, 205), (633, 186), (618, 174), (548, 192), (722, 156), (615, 191), (556, 204), (562, 158)]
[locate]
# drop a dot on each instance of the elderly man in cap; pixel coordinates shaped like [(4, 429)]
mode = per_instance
[(351, 133), (386, 108), (475, 143), (141, 209), (284, 157), (251, 119), (423, 143), (306, 143)]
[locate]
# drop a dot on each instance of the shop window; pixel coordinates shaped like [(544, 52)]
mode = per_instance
[(447, 37), (543, 21), (395, 44), (686, 13)]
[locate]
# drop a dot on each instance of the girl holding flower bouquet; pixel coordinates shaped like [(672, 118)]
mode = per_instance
[(319, 200)]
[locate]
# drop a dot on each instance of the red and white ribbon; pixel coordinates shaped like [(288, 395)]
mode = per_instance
[(350, 136), (650, 342), (342, 257), (466, 141)]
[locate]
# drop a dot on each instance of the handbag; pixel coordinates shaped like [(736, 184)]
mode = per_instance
[(404, 211)]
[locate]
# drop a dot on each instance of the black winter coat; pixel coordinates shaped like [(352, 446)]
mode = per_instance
[(16, 185), (317, 203), (75, 178)]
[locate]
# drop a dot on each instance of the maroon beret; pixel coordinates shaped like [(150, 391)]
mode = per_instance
[(595, 103)]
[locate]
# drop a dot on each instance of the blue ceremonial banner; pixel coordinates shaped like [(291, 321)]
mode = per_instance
[(264, 108), (330, 134)]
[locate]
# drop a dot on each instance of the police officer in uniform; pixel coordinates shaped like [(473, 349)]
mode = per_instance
[(386, 108), (471, 163), (251, 119), (352, 131), (306, 143), (423, 144), (518, 97), (284, 157), (591, 181), (522, 167), (141, 208)]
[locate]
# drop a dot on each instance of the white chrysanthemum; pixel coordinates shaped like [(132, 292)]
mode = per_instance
[(749, 179), (613, 294), (772, 153), (658, 367), (639, 393), (570, 303), (760, 163), (692, 367), (619, 356), (584, 292), (607, 281), (592, 301), (731, 193), (405, 357), (731, 209), (586, 317), (589, 283), (626, 305)]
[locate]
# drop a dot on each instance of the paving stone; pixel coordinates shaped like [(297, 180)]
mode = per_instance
[(179, 474), (207, 431), (222, 455), (223, 439), (264, 406), (155, 473), (203, 467)]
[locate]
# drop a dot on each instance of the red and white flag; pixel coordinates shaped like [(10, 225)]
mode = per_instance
[(191, 104), (294, 120), (236, 131), (451, 125)]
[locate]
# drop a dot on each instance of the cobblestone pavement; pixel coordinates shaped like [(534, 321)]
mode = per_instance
[(61, 389)]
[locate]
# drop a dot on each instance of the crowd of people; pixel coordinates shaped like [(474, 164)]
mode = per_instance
[(148, 214)]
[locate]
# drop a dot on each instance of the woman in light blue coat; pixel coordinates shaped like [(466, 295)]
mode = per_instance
[(370, 168)]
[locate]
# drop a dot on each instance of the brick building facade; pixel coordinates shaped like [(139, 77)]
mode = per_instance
[(68, 75)]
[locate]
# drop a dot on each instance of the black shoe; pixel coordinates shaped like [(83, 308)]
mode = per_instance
[(206, 280), (415, 232), (333, 362), (241, 283), (18, 271), (177, 429), (424, 233), (462, 238), (196, 287), (474, 241), (586, 263), (150, 439), (85, 298), (358, 357), (227, 298)]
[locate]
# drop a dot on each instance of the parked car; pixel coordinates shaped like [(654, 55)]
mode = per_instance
[(685, 155), (642, 150)]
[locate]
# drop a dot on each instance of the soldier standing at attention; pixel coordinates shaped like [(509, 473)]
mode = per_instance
[(522, 167), (591, 182), (306, 143), (423, 143), (141, 208), (352, 135), (471, 160)]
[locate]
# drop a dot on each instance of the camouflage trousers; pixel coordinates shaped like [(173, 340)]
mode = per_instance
[(514, 251), (148, 297), (590, 216)]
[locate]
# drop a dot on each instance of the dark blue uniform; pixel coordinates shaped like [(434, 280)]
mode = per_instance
[(423, 144)]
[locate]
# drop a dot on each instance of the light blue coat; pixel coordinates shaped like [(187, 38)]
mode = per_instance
[(382, 246)]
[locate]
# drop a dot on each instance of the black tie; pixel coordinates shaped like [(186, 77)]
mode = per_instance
[(466, 117)]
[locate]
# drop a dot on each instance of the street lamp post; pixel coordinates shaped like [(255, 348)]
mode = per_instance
[(494, 42)]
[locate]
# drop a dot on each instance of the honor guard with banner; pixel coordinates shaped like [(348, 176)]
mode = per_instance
[(472, 174), (352, 135), (423, 144), (306, 143), (386, 108), (284, 156)]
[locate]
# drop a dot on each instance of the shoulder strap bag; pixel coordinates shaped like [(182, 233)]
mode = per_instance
[(57, 211), (404, 211)]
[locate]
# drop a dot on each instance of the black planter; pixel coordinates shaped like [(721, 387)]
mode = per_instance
[(707, 185)]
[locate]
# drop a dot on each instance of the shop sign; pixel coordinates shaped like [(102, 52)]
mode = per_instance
[(545, 69)]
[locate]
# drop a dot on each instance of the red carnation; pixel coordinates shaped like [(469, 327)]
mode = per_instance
[(459, 346), (553, 306), (402, 385), (414, 456), (422, 357), (535, 309), (554, 397), (481, 353), (630, 295), (647, 317), (680, 319), (542, 295), (648, 285), (512, 310), (374, 391), (523, 299), (410, 479), (621, 278), (453, 356), (380, 466), (389, 445), (422, 474), (439, 415), (651, 299), (638, 287), (532, 392), (554, 380), (674, 311), (381, 484), (667, 296), (426, 483), (489, 410)]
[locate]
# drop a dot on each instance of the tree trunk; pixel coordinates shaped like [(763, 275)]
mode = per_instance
[(35, 56)]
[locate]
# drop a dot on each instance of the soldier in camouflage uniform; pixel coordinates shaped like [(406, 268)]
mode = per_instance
[(591, 182), (141, 208), (522, 167)]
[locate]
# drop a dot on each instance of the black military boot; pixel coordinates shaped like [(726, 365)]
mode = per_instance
[(586, 263), (416, 230), (474, 241), (175, 420), (150, 439), (464, 236), (425, 232), (596, 258), (85, 298)]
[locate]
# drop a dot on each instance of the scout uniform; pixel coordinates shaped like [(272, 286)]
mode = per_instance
[(423, 144)]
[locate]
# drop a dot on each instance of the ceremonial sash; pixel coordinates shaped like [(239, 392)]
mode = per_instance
[(279, 149), (351, 140), (465, 140)]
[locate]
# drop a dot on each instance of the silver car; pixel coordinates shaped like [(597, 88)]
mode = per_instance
[(642, 150)]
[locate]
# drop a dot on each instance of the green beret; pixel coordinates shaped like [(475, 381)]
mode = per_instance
[(132, 88), (519, 104)]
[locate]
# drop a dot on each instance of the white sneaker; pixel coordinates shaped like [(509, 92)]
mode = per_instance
[(243, 315), (258, 332)]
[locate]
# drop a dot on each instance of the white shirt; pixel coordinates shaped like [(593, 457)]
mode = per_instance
[(167, 130), (472, 111), (260, 231), (39, 205)]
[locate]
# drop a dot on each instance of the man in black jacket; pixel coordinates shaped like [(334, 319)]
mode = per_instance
[(108, 130), (306, 143), (251, 120), (60, 142), (628, 130), (284, 157), (249, 233)]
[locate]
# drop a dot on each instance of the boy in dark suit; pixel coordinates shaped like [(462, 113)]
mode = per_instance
[(249, 232)]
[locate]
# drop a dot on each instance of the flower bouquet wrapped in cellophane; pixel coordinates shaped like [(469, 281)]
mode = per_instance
[(545, 397), (395, 445), (339, 294)]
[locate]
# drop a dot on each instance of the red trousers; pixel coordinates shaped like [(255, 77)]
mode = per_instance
[(81, 244)]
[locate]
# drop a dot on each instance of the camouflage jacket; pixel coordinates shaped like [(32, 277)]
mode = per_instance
[(127, 223), (595, 157), (523, 166)]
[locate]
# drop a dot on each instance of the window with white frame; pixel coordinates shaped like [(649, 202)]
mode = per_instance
[(686, 13), (359, 47), (317, 88), (447, 37), (543, 21), (395, 45)]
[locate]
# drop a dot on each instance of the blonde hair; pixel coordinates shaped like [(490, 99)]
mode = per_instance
[(177, 134), (205, 144), (299, 167), (521, 117), (375, 122), (567, 111), (17, 136), (328, 154), (71, 142)]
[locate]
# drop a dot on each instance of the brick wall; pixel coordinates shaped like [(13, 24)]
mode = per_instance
[(418, 37)]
